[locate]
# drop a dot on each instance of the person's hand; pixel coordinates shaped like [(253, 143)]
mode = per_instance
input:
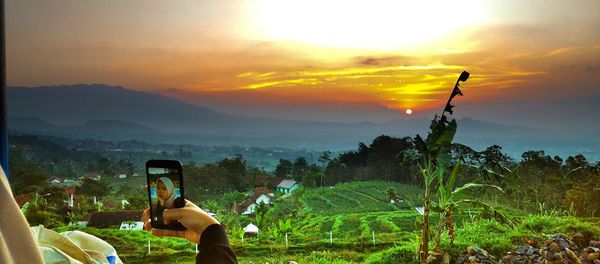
[(190, 216)]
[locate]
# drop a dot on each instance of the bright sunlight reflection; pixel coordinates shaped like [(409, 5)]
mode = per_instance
[(374, 24)]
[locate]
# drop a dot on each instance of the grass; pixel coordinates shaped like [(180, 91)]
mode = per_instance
[(396, 229)]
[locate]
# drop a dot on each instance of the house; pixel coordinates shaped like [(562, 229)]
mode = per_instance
[(122, 176), (68, 181), (55, 181), (287, 186), (261, 195), (250, 230), (264, 181), (93, 175), (274, 181), (114, 218), (396, 199)]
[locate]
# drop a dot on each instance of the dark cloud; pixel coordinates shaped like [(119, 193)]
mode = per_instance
[(383, 61), (369, 62)]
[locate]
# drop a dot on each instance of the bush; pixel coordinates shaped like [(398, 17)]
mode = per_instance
[(399, 254)]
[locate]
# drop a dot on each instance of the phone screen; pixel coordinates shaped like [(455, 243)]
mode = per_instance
[(165, 191)]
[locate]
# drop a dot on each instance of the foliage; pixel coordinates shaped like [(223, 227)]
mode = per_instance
[(137, 202), (300, 169), (92, 187), (39, 212), (284, 168), (398, 254), (212, 206), (236, 232)]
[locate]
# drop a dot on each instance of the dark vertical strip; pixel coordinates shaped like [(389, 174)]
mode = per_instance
[(3, 101)]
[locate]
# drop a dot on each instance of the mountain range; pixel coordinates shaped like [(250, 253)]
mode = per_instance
[(116, 113)]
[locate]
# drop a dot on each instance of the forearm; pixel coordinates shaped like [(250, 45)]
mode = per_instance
[(214, 247)]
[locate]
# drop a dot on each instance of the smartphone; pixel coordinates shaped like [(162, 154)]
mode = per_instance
[(165, 191)]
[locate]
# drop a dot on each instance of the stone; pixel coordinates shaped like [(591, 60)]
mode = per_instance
[(474, 255), (558, 249)]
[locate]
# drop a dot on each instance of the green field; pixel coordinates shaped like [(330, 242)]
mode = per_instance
[(352, 212)]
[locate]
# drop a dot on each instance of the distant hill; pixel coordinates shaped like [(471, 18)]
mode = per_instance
[(109, 112), (34, 125), (77, 104)]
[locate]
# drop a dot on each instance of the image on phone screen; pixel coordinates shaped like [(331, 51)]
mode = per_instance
[(165, 191)]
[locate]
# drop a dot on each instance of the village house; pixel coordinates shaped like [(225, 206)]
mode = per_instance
[(287, 186), (251, 230), (93, 175), (55, 181), (264, 181), (68, 181), (260, 195), (396, 199)]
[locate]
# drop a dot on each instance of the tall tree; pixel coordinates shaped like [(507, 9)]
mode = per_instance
[(300, 168), (94, 188), (324, 159), (235, 171), (284, 168)]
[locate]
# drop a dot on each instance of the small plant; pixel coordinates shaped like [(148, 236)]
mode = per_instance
[(237, 232)]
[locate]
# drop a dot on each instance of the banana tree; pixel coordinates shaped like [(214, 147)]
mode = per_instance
[(435, 153), (448, 200)]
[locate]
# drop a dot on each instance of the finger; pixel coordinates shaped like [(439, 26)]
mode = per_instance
[(146, 219), (190, 204), (167, 232), (174, 214), (146, 215), (190, 236)]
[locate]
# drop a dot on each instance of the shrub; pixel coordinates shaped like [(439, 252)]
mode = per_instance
[(399, 254)]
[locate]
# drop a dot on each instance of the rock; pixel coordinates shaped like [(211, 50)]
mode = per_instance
[(436, 257), (579, 239), (474, 255), (591, 254), (572, 257), (560, 250), (525, 254)]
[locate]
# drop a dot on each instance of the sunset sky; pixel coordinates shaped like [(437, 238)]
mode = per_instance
[(278, 58)]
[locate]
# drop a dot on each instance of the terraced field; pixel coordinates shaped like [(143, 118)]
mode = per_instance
[(358, 197), (353, 211), (360, 224)]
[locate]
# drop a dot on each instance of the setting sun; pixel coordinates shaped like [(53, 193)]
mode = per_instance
[(409, 111)]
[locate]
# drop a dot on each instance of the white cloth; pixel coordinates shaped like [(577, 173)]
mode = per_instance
[(21, 244), (16, 241), (74, 247)]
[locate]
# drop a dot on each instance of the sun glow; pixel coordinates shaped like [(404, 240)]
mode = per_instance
[(374, 24)]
